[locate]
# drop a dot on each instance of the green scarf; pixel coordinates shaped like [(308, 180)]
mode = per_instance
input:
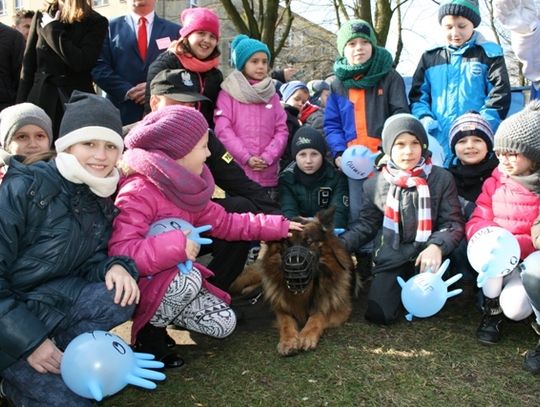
[(364, 75)]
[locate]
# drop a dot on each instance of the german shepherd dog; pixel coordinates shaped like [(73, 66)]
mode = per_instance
[(306, 279)]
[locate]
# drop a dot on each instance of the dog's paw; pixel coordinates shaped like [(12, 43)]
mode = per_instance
[(309, 341), (289, 346)]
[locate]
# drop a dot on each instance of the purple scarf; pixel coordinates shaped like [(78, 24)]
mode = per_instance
[(186, 190)]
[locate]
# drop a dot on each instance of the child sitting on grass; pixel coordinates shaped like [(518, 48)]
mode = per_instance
[(166, 177), (471, 144), (510, 198), (412, 207)]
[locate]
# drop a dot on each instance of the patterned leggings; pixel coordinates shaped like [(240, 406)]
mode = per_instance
[(186, 304)]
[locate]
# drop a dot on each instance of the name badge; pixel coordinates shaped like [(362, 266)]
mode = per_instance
[(163, 43)]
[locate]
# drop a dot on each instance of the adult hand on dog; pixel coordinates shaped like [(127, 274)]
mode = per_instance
[(429, 259), (295, 226)]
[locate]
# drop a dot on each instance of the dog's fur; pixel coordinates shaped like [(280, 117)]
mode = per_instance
[(326, 303)]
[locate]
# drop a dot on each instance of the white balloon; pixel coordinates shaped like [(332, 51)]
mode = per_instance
[(493, 252), (357, 162)]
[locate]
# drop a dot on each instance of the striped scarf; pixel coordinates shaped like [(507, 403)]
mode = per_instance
[(399, 179)]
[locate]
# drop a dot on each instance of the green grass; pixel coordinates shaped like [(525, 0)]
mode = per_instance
[(427, 362)]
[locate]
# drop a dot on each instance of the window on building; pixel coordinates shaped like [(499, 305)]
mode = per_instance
[(19, 4), (99, 3), (3, 10), (193, 3)]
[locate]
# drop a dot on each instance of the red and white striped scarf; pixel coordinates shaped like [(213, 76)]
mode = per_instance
[(399, 179)]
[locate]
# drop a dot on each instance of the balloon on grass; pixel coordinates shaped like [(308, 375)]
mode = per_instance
[(424, 294), (99, 364)]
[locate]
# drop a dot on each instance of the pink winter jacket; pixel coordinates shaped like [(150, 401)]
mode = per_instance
[(249, 130), (504, 202), (141, 204)]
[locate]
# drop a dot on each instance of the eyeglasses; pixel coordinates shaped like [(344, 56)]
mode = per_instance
[(512, 157)]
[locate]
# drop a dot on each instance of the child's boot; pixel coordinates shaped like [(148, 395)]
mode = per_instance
[(489, 331), (532, 358), (153, 339)]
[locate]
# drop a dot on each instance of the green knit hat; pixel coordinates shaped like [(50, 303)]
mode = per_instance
[(463, 8), (355, 29)]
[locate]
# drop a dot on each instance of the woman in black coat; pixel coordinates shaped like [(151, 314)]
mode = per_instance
[(63, 46)]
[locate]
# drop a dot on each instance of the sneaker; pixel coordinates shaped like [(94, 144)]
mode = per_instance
[(489, 331), (532, 358)]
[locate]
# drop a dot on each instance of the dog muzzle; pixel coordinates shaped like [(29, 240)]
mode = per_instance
[(299, 268)]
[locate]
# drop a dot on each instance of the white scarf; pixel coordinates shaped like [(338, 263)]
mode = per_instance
[(238, 86), (72, 170)]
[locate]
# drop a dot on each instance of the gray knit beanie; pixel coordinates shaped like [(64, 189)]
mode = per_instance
[(89, 117), (403, 123), (14, 117), (520, 133)]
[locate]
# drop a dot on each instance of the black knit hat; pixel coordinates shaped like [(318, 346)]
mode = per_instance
[(308, 137), (89, 117), (470, 124), (463, 8), (519, 133)]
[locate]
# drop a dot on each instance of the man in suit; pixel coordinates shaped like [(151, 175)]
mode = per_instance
[(122, 67)]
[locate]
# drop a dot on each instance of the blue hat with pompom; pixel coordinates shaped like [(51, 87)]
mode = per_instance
[(243, 47)]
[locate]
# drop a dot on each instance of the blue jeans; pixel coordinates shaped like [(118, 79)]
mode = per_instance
[(93, 310)]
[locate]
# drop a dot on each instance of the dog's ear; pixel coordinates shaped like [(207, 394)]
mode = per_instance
[(326, 218)]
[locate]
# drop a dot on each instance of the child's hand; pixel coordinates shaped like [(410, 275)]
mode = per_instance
[(429, 259), (257, 163), (127, 290), (46, 358), (192, 248), (295, 226)]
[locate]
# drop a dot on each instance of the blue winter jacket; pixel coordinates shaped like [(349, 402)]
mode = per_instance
[(53, 241), (449, 82), (382, 101)]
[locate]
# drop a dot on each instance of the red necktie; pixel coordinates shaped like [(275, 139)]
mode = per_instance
[(142, 38)]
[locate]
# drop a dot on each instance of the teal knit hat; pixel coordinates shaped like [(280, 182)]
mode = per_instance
[(243, 47), (463, 8), (355, 29)]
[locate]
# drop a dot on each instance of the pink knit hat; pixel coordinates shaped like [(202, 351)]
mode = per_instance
[(199, 19), (173, 130)]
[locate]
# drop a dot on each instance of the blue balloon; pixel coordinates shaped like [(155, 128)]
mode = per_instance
[(99, 364), (493, 252), (168, 224), (424, 294), (357, 162)]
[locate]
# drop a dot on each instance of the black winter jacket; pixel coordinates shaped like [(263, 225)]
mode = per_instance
[(53, 241), (12, 50), (209, 82), (447, 220)]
